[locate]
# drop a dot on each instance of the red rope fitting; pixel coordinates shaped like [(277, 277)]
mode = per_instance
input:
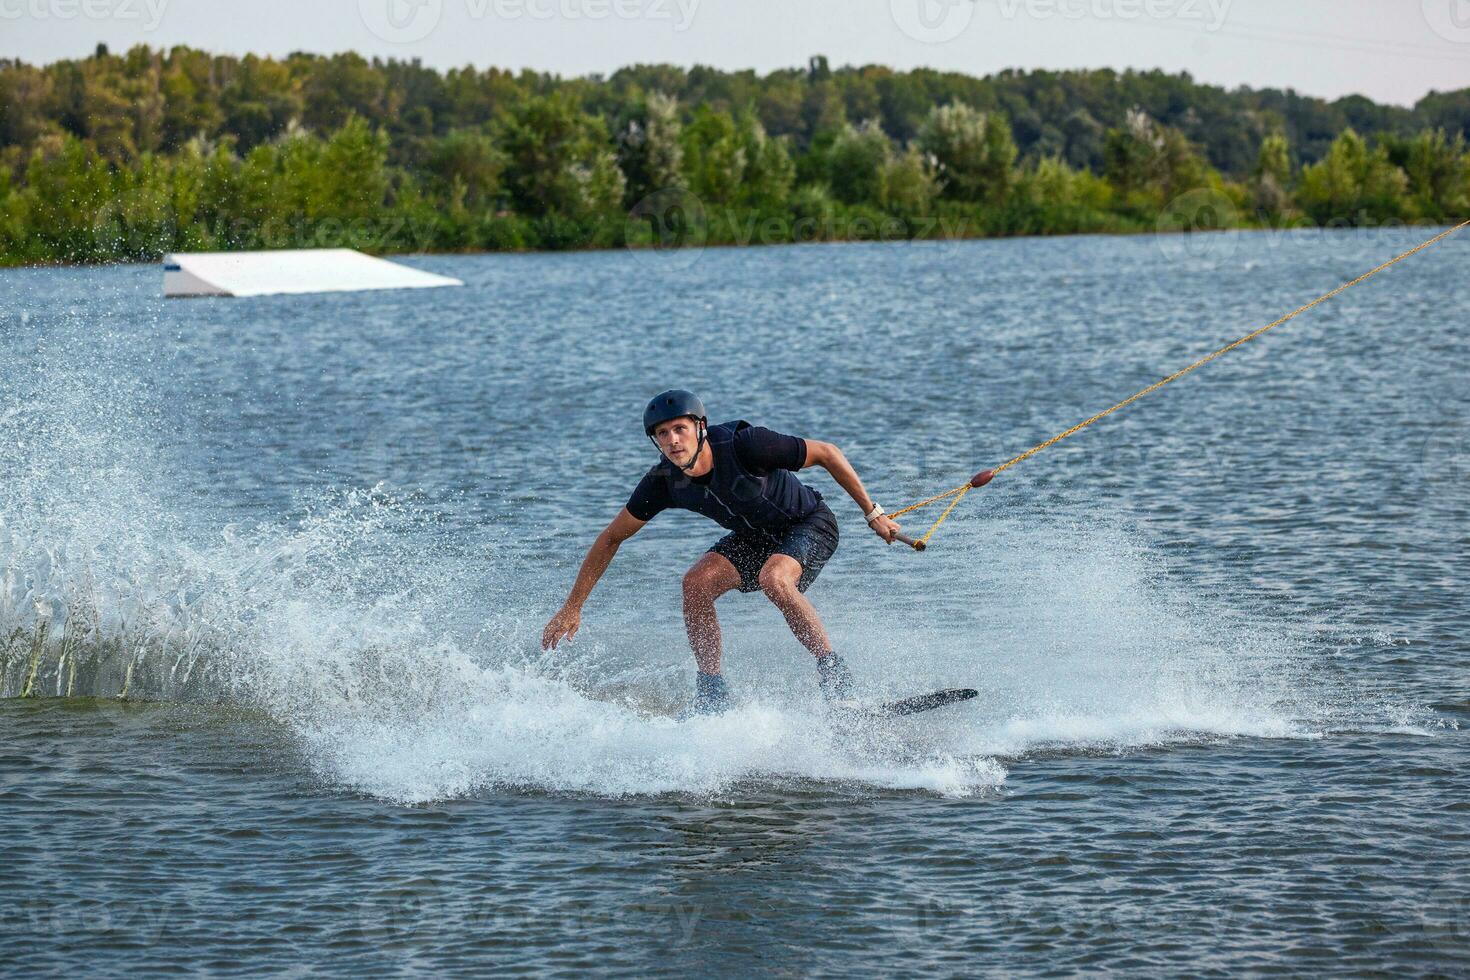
[(981, 478)]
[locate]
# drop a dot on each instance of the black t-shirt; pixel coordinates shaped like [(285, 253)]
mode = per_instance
[(760, 450)]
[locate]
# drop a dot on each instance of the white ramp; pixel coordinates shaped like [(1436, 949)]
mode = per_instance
[(299, 270)]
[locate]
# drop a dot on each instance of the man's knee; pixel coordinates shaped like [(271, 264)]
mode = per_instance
[(778, 581), (704, 583)]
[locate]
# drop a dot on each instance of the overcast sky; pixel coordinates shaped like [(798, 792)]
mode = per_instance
[(1389, 50)]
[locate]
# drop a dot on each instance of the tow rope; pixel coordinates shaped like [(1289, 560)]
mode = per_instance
[(985, 476)]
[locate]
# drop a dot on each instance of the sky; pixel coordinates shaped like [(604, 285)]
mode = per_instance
[(1389, 50)]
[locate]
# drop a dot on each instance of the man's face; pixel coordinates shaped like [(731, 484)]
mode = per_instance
[(677, 438)]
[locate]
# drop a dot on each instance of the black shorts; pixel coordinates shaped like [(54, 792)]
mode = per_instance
[(810, 541)]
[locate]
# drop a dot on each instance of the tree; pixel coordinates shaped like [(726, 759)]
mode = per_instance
[(1352, 184), (259, 101), (1271, 180), (769, 171), (468, 166), (191, 102), (68, 186), (350, 179), (649, 151), (909, 184), (338, 87), (973, 151), (1145, 158), (26, 95), (1084, 139), (857, 164), (1438, 171), (714, 156), (558, 160)]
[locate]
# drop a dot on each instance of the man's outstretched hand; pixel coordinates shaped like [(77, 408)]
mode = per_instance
[(563, 626), (884, 527)]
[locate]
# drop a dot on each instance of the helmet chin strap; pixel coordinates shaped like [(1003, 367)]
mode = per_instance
[(699, 448)]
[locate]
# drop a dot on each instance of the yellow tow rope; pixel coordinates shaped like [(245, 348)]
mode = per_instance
[(985, 476)]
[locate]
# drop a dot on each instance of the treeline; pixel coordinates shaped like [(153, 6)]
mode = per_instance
[(126, 157)]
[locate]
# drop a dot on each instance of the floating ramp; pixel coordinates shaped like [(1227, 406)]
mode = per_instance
[(303, 270)]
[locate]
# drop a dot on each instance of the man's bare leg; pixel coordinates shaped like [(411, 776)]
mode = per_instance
[(708, 579), (778, 580)]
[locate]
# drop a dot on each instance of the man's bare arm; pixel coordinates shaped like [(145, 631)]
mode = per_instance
[(831, 459), (568, 620)]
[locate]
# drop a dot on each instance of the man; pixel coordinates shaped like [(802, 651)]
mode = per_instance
[(781, 532)]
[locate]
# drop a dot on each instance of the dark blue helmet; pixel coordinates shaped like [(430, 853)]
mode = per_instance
[(672, 404)]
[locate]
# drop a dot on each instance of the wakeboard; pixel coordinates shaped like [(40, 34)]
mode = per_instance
[(919, 703)]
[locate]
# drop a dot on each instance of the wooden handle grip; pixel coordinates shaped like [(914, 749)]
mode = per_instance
[(916, 545)]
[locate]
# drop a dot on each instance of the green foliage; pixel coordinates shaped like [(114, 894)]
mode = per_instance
[(909, 184), (465, 167), (1271, 179), (858, 164), (1438, 170), (769, 171), (1353, 185), (67, 186), (974, 152), (649, 152), (732, 162), (560, 165), (1150, 164), (127, 156), (714, 156), (258, 102)]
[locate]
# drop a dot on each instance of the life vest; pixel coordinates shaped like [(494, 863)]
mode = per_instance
[(736, 498)]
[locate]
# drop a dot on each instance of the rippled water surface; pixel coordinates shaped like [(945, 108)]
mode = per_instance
[(273, 572)]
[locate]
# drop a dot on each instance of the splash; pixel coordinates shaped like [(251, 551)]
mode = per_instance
[(404, 663)]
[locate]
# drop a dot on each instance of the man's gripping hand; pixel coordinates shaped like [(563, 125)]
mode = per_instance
[(885, 527)]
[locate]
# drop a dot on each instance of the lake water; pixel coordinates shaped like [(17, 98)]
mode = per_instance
[(274, 572)]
